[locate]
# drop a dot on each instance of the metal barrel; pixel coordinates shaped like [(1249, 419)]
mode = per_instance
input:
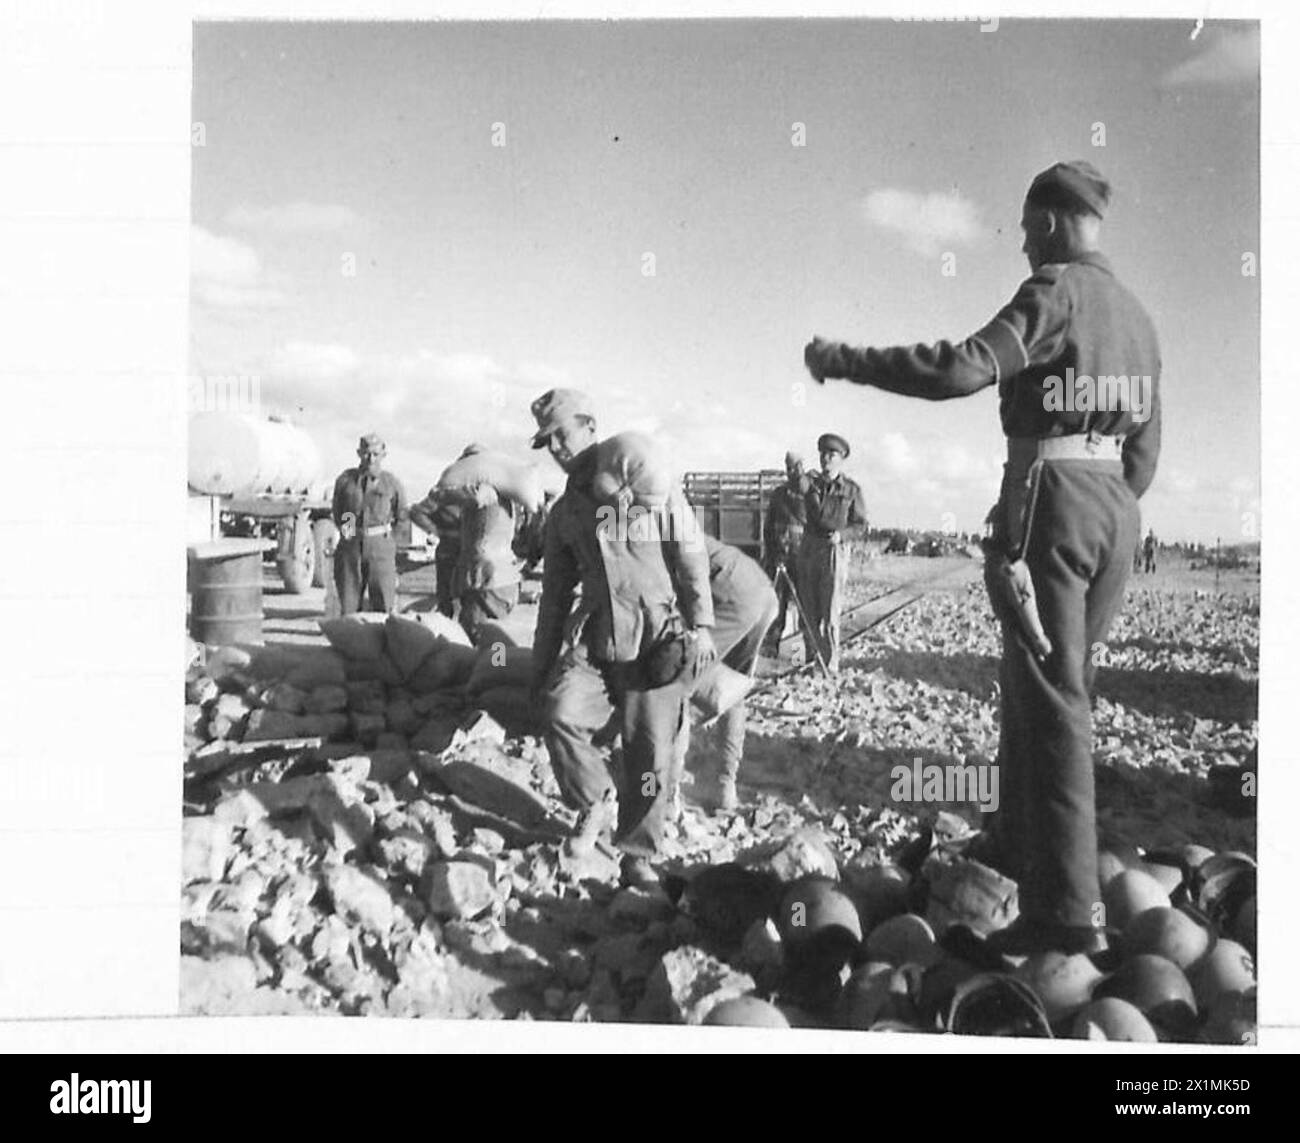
[(226, 597)]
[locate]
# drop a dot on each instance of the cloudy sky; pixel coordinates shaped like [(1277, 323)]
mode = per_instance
[(418, 228)]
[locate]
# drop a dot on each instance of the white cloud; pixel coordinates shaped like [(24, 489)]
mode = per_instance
[(313, 362), (1228, 58), (928, 223), (292, 218), (228, 274)]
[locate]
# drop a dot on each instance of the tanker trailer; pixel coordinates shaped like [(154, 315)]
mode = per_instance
[(261, 478)]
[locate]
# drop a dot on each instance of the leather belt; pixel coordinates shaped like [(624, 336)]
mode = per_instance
[(1023, 451)]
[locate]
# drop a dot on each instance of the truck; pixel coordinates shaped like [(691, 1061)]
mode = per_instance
[(260, 478), (732, 506)]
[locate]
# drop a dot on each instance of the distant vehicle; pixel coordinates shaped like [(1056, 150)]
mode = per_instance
[(261, 478), (731, 506)]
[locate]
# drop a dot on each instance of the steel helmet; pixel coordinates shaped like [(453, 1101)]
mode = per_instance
[(1158, 989), (746, 1012), (1111, 1018), (1167, 932)]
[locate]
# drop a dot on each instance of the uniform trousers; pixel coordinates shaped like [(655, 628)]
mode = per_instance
[(1079, 550), (366, 566), (580, 700), (823, 575)]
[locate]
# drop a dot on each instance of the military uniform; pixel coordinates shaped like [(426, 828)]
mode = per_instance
[(367, 507), (606, 602), (744, 608), (486, 579), (832, 506), (783, 531), (1068, 502)]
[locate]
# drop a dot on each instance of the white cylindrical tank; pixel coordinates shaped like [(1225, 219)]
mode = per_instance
[(237, 454)]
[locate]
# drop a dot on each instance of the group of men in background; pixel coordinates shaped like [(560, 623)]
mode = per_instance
[(808, 519), (628, 629)]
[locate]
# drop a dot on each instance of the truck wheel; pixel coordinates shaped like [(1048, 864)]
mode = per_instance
[(325, 535), (296, 569)]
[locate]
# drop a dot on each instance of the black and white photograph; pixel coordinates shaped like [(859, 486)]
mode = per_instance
[(707, 529), (748, 522)]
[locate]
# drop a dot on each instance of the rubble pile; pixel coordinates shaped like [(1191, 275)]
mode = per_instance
[(358, 840)]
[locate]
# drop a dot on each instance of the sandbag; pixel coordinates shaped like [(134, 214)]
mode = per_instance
[(719, 689), (442, 626), (359, 636), (633, 466), (512, 707), (450, 665), (409, 642), (490, 633), (513, 480), (498, 665), (380, 669)]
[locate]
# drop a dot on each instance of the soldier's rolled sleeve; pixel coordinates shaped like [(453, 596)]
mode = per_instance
[(336, 508), (1142, 449), (559, 583), (401, 506)]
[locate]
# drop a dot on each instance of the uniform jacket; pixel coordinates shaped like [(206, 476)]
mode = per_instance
[(1069, 316), (833, 505), (741, 591), (486, 558), (383, 500), (628, 590), (786, 516)]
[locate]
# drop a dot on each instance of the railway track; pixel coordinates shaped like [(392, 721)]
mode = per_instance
[(869, 614)]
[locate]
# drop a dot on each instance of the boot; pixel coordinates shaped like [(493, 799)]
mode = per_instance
[(594, 823)]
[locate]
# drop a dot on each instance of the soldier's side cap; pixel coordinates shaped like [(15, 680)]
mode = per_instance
[(372, 442), (1076, 183), (833, 442), (556, 406), (792, 458)]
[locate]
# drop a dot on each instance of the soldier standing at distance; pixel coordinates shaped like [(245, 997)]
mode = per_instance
[(1068, 508), (1149, 547), (782, 537), (833, 503), (368, 503)]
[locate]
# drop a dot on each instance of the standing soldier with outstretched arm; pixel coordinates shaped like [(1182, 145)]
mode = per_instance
[(1065, 527)]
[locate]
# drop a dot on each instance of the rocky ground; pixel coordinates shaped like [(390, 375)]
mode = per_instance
[(402, 854)]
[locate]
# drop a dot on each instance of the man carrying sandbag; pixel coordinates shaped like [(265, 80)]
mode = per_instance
[(368, 504), (440, 517), (745, 606), (486, 579), (622, 625)]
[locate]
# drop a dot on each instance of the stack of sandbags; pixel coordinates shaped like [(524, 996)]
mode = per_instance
[(424, 653), (511, 479), (501, 681)]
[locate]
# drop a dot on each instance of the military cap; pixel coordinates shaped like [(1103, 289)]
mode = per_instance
[(556, 406), (792, 458), (1077, 183), (833, 442), (372, 442)]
